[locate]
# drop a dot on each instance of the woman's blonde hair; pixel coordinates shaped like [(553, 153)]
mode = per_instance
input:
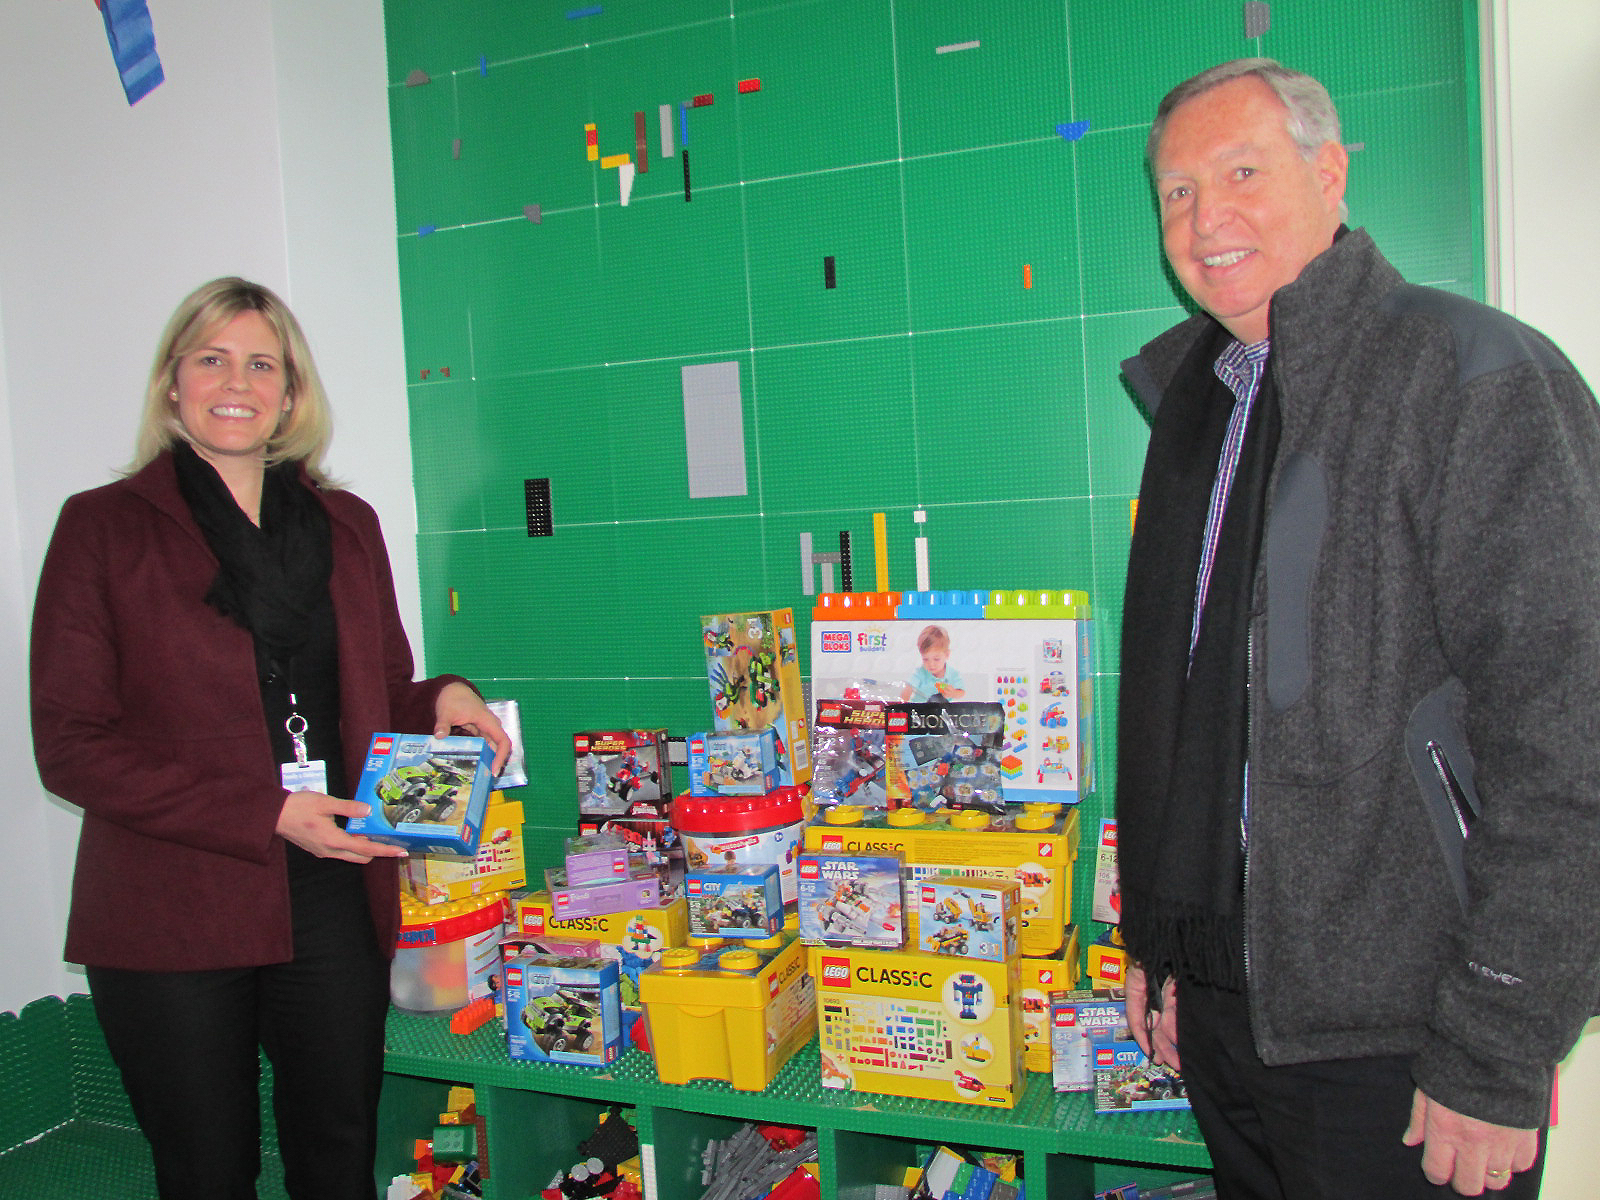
[(304, 431)]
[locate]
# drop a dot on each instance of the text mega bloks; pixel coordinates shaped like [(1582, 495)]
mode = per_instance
[(1035, 849), (915, 1024), (753, 665)]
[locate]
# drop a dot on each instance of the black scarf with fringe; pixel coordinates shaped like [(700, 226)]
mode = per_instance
[(1182, 725)]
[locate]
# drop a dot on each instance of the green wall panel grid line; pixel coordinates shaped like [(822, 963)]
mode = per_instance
[(927, 291)]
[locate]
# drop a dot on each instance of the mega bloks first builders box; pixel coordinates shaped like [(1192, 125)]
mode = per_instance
[(425, 793)]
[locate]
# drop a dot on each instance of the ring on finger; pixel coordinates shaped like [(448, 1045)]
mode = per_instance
[(1497, 1174)]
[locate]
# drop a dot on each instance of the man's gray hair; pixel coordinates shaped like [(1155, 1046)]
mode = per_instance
[(1313, 121)]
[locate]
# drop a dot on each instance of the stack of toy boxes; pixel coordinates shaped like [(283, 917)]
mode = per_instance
[(625, 781), (633, 937), (601, 876), (734, 1012), (753, 665), (498, 866), (1035, 849), (734, 901), (1029, 652)]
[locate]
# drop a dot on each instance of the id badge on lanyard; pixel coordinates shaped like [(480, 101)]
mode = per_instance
[(303, 774)]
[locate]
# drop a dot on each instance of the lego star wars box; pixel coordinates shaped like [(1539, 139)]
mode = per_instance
[(1040, 671), (851, 900), (562, 1010), (753, 665), (426, 793), (914, 1024), (1074, 1015), (623, 773)]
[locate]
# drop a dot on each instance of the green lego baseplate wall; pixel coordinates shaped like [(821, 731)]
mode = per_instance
[(921, 232)]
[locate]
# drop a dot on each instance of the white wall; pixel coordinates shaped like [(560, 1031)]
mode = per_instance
[(1546, 86), (266, 154)]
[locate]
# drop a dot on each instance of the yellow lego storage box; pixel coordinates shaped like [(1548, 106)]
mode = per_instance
[(1037, 978), (918, 1024), (730, 1012), (1036, 848), (497, 867)]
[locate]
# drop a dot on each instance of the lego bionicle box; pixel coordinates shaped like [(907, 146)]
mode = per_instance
[(946, 756), (753, 666), (848, 757), (1039, 671), (851, 900), (623, 773), (425, 793)]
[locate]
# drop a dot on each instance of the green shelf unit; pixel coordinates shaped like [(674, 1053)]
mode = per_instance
[(537, 1113)]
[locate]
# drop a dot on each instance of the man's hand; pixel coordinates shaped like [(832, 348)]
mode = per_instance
[(1154, 1027), (307, 820), (459, 707), (1470, 1155)]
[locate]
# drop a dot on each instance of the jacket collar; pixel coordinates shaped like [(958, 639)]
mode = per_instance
[(157, 483)]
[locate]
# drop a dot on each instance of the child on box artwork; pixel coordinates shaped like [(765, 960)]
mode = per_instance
[(935, 678)]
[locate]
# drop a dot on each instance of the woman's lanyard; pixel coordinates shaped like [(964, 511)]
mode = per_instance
[(303, 774)]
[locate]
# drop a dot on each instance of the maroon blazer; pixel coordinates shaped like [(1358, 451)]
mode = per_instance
[(147, 715)]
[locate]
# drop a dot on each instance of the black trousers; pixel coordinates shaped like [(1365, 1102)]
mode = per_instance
[(187, 1046), (1312, 1131)]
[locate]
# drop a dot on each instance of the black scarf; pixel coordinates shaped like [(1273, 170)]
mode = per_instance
[(269, 579), (1182, 727)]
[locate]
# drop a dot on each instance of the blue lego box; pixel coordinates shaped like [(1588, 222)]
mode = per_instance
[(428, 794), (562, 1010), (851, 900), (734, 762), (1127, 1081), (735, 902)]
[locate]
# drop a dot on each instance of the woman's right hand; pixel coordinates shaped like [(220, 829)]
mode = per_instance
[(307, 820)]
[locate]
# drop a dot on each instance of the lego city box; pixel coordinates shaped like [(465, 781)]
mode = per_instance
[(753, 667), (623, 773), (1125, 1080), (734, 762), (1039, 671), (562, 1010), (734, 902), (917, 1024), (1036, 848), (851, 900), (428, 794), (498, 866)]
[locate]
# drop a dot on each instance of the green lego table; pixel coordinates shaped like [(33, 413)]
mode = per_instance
[(538, 1113)]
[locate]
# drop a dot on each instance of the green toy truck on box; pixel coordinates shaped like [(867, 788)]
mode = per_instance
[(426, 793)]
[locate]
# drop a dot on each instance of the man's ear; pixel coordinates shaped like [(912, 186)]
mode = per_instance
[(1332, 164)]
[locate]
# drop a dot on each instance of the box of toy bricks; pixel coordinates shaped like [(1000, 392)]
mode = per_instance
[(733, 762), (1034, 848), (734, 901), (623, 773), (989, 1174), (562, 1010), (426, 793), (634, 939), (498, 865), (849, 761), (970, 917), (1030, 652), (1125, 1080), (1074, 1015), (753, 665), (851, 900), (1037, 980), (915, 1024), (946, 756)]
